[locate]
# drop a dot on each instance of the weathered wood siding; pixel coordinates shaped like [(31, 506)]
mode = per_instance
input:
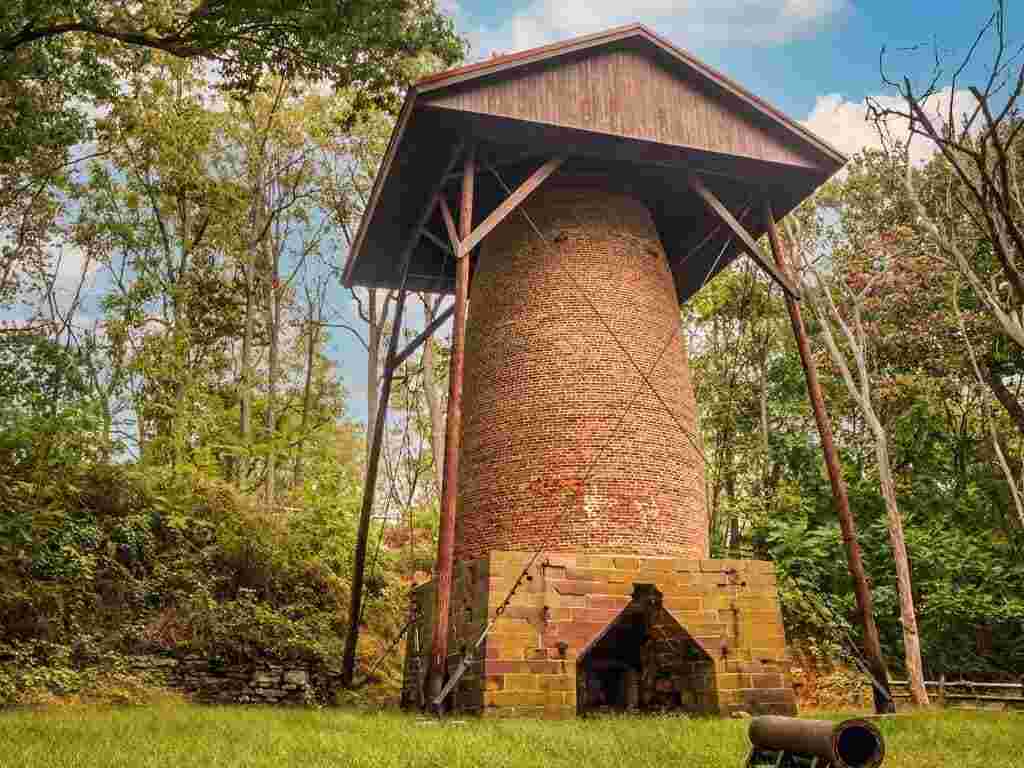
[(626, 93)]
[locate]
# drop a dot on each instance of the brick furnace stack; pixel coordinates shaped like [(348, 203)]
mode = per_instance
[(566, 448)]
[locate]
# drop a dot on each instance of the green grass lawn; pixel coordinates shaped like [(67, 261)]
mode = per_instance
[(176, 735)]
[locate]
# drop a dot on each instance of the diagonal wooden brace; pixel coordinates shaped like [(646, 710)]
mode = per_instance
[(716, 205), (449, 222), (416, 343), (510, 204)]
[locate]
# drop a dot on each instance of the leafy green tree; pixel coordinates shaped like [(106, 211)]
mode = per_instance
[(50, 419), (152, 212), (84, 46), (732, 354), (61, 63)]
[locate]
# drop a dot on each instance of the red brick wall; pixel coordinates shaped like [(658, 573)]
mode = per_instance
[(546, 385)]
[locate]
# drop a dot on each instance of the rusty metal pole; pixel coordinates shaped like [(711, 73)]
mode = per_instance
[(348, 664), (453, 439), (854, 561)]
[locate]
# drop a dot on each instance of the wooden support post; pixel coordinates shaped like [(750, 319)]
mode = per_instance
[(719, 209), (348, 664), (854, 561), (453, 439)]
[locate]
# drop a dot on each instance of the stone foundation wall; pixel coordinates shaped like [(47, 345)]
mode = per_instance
[(256, 682), (470, 602), (729, 609)]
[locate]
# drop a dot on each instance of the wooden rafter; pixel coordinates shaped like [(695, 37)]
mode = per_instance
[(719, 209), (438, 242), (449, 223), (509, 205)]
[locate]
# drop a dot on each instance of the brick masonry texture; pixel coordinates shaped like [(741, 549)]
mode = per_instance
[(726, 654), (546, 385), (566, 449)]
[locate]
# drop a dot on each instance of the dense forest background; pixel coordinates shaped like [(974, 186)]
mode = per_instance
[(179, 468)]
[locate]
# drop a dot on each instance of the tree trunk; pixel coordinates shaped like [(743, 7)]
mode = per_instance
[(1005, 397), (432, 393), (312, 342), (273, 357), (249, 328), (734, 537), (245, 396), (908, 617), (763, 412)]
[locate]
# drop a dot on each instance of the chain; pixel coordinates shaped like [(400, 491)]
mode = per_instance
[(844, 637), (387, 652), (470, 657)]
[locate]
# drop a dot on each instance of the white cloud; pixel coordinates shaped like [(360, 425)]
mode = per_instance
[(847, 125), (687, 22)]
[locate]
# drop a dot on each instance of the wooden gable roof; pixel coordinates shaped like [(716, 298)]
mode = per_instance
[(632, 83), (625, 101)]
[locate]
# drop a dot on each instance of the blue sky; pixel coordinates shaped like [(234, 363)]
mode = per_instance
[(796, 54), (816, 60)]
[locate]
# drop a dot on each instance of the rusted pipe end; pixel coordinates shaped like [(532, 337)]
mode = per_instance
[(858, 744)]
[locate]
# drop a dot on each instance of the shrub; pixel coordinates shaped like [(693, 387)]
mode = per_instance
[(109, 561)]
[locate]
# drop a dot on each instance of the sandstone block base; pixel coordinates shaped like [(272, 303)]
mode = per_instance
[(587, 633)]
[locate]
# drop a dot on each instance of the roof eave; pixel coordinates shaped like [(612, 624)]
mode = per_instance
[(378, 183)]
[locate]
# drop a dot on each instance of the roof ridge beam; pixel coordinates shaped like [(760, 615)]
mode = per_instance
[(719, 209), (510, 204)]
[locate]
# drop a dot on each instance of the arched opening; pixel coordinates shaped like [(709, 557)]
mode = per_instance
[(645, 660)]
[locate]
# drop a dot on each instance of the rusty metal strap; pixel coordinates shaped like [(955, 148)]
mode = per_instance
[(387, 652)]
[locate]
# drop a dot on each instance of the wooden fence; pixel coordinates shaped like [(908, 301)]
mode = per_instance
[(966, 694)]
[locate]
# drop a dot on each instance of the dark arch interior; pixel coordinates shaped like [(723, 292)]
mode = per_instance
[(645, 661)]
